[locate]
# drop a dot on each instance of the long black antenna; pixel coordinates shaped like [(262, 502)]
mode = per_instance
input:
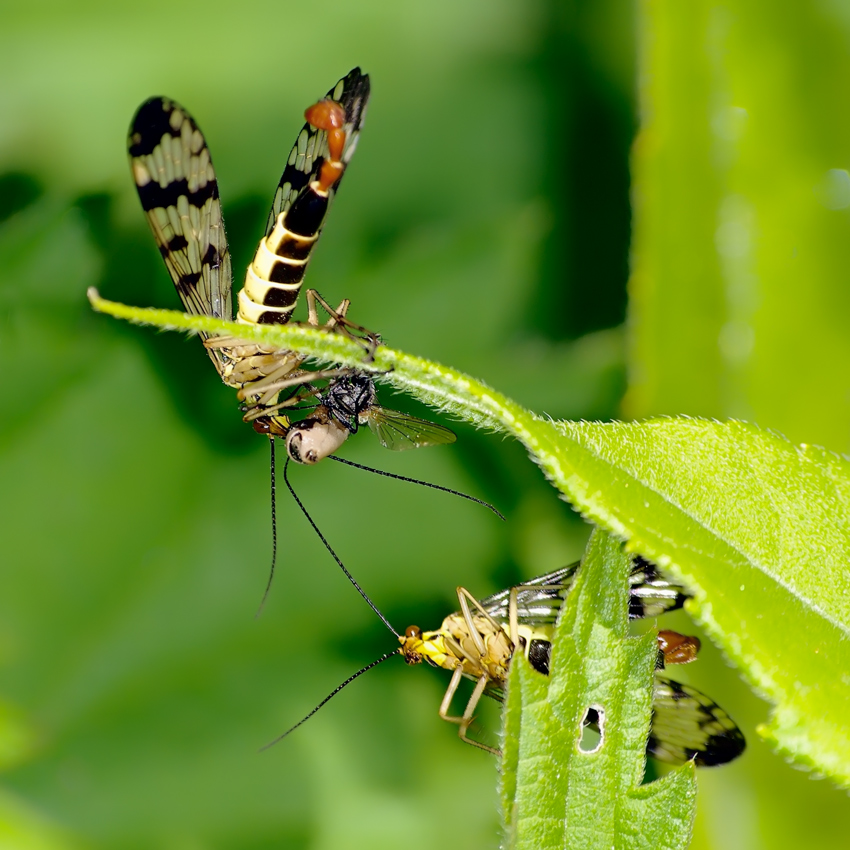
[(417, 481), (328, 546), (274, 536), (331, 695)]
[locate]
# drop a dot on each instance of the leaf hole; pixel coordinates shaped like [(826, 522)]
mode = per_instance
[(592, 730)]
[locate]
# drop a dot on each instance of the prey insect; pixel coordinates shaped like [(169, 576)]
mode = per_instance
[(348, 402), (478, 642)]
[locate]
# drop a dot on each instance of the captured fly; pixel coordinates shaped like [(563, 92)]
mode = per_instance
[(348, 402)]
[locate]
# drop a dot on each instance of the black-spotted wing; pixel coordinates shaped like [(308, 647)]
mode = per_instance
[(539, 600), (687, 724), (176, 182)]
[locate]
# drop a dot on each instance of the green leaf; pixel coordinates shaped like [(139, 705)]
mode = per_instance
[(755, 527), (555, 795)]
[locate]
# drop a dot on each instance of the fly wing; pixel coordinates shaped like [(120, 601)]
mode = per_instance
[(398, 431), (686, 724), (311, 147), (174, 176)]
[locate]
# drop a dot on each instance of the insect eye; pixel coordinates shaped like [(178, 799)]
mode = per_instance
[(413, 632)]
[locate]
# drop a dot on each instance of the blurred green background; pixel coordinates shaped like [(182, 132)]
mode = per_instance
[(485, 223)]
